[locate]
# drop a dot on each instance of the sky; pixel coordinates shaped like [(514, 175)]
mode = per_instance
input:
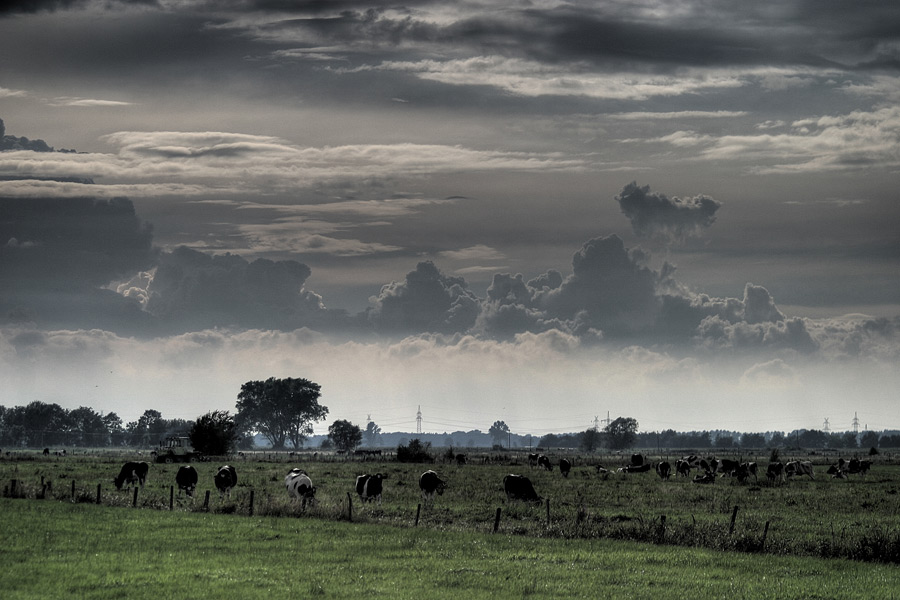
[(540, 212)]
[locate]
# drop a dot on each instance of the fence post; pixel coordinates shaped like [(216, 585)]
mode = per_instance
[(12, 488), (497, 520), (206, 501), (171, 497), (73, 490), (134, 500), (418, 510), (251, 504), (98, 493), (733, 518), (349, 508), (765, 533)]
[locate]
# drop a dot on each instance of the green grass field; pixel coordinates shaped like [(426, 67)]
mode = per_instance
[(857, 518), (57, 549)]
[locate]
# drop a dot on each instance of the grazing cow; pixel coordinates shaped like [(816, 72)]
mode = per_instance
[(518, 487), (225, 479), (132, 473), (637, 460), (706, 477), (461, 459), (683, 467), (727, 466), (186, 478), (636, 468), (46, 451), (692, 460), (564, 467), (744, 471), (533, 459), (369, 487), (799, 467), (544, 462), (664, 470), (430, 483), (300, 486), (858, 467), (775, 470)]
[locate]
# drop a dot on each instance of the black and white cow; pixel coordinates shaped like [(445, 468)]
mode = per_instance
[(431, 484), (799, 467), (728, 466), (642, 468), (544, 461), (225, 479), (683, 467), (705, 477), (533, 459), (186, 478), (744, 471), (637, 460), (369, 487), (564, 467), (518, 487), (132, 473), (664, 470), (300, 486)]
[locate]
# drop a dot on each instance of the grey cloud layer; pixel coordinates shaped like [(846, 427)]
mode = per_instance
[(653, 214)]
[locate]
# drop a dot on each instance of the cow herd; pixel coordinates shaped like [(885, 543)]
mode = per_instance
[(369, 487)]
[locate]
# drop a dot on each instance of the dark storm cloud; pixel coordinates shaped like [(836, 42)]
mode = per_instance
[(57, 254), (426, 301), (193, 291), (34, 6), (655, 215)]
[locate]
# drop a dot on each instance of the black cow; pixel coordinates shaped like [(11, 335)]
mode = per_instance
[(728, 466), (543, 461), (186, 478), (637, 460), (664, 470), (431, 484), (774, 471), (461, 459), (533, 459), (518, 487), (300, 486), (369, 487), (564, 467), (225, 479), (132, 473), (744, 471)]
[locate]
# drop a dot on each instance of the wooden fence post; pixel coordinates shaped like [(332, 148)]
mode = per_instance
[(497, 520), (206, 501), (134, 500), (171, 497), (762, 546), (98, 493), (73, 490), (733, 518), (418, 510), (12, 488), (251, 504), (349, 508)]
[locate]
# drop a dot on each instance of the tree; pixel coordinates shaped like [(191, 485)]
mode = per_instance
[(88, 427), (499, 432), (345, 435), (621, 433), (280, 409), (372, 432), (868, 439), (590, 440), (215, 433)]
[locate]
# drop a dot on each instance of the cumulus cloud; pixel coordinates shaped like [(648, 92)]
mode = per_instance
[(655, 215), (191, 290), (426, 301)]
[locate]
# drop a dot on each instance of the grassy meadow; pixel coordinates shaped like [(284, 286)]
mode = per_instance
[(857, 518), (80, 550)]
